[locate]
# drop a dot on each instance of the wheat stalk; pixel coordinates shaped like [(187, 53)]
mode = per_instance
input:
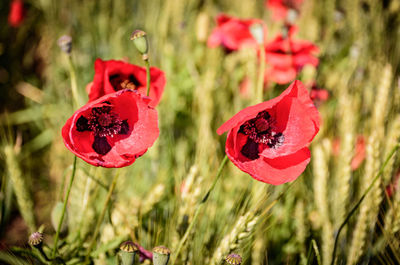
[(24, 200), (241, 230), (369, 210), (321, 171)]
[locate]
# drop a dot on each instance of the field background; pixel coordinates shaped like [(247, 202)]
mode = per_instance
[(156, 197)]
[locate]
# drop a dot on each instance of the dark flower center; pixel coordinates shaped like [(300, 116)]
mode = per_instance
[(103, 122), (291, 4), (261, 133), (119, 82)]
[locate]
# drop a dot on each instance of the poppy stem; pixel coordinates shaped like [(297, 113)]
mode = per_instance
[(146, 60), (100, 219), (261, 72), (71, 180), (353, 210), (74, 84), (198, 209)]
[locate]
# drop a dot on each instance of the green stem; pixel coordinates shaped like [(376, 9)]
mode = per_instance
[(261, 73), (147, 76), (64, 208), (199, 207), (101, 217), (74, 84), (360, 201)]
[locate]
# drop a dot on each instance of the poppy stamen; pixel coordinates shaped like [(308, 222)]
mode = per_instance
[(102, 122), (261, 130)]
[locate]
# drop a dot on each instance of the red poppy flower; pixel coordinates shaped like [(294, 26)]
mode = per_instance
[(233, 33), (318, 94), (286, 57), (111, 76), (280, 8), (359, 151), (270, 140), (17, 13), (113, 130)]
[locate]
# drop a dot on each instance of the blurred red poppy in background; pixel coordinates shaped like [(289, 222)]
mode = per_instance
[(233, 33), (270, 140), (280, 8), (17, 13), (111, 76), (113, 130), (286, 57), (359, 151)]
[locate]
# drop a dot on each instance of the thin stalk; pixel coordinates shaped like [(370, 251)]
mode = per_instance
[(147, 75), (353, 210), (260, 79), (64, 208), (74, 84), (101, 217), (315, 247), (43, 254), (199, 207)]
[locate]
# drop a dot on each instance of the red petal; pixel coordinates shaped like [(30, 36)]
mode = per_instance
[(233, 33), (105, 69), (143, 131), (297, 125), (295, 90), (274, 171)]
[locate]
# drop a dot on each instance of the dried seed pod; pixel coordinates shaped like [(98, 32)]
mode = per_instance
[(127, 252), (161, 255), (233, 259), (36, 239)]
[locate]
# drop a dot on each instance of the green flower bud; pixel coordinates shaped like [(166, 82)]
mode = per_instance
[(233, 259), (161, 255), (127, 253), (139, 38)]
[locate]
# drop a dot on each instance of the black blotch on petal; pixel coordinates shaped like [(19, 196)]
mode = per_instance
[(82, 124), (100, 145), (250, 149), (124, 127), (134, 80)]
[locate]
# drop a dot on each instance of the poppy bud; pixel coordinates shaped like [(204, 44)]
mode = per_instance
[(161, 255), (56, 215), (139, 38), (127, 253), (257, 31), (65, 43), (233, 259)]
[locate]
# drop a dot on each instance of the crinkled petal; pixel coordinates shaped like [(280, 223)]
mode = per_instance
[(105, 71), (125, 148)]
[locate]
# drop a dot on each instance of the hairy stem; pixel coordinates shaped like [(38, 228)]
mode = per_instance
[(64, 208), (101, 217)]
